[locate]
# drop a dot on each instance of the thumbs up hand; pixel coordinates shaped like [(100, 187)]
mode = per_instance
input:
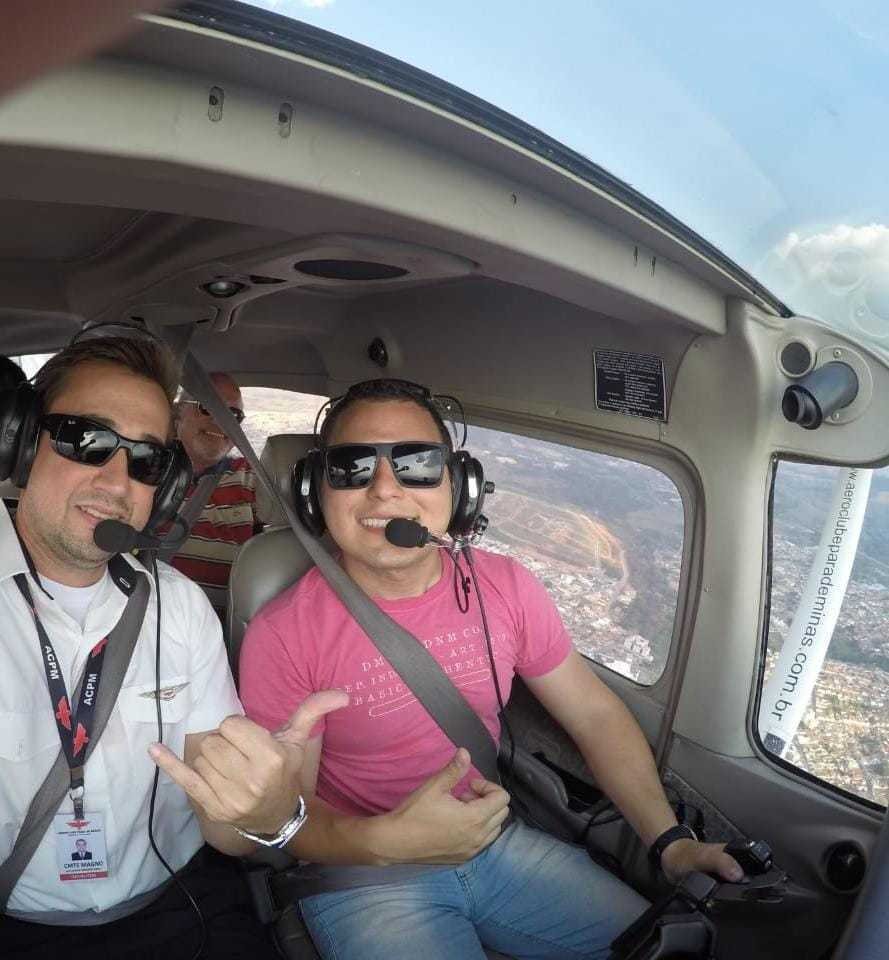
[(432, 826), (243, 775)]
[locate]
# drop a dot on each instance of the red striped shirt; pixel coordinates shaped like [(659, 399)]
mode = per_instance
[(227, 520)]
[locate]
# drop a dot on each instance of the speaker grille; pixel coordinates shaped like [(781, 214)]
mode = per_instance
[(846, 866), (354, 270)]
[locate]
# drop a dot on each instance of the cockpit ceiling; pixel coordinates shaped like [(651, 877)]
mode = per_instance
[(101, 262), (138, 131), (127, 199), (36, 230), (305, 309)]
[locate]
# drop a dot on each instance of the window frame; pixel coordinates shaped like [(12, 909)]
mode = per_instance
[(788, 769)]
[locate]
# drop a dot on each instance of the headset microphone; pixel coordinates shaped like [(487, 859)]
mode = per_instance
[(115, 536), (402, 532)]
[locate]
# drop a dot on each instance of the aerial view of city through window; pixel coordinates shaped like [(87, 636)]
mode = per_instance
[(604, 534), (844, 734)]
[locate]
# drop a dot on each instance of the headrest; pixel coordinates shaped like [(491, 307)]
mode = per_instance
[(280, 453)]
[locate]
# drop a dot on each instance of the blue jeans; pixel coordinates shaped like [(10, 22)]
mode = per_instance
[(528, 895)]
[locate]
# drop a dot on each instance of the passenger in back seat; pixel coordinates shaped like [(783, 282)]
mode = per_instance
[(382, 797), (228, 518)]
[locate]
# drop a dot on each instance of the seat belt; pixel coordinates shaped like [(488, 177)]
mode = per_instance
[(189, 514), (417, 667), (45, 804)]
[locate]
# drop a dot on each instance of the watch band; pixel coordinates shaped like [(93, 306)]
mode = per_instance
[(681, 831), (285, 834)]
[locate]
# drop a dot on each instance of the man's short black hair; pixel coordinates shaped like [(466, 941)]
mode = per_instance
[(11, 374), (382, 391)]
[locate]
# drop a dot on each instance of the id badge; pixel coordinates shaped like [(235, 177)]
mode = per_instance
[(80, 847)]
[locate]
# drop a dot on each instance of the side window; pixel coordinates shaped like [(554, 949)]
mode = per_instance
[(823, 704), (603, 534), (270, 410), (32, 362)]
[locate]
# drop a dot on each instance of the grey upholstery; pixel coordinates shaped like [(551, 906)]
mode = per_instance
[(265, 565), (280, 453), (273, 560)]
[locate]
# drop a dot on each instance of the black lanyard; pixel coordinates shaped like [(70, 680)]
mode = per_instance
[(75, 729)]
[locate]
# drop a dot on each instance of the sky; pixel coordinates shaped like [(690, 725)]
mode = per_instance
[(762, 125)]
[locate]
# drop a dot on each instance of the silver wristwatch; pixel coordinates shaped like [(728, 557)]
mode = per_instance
[(285, 834)]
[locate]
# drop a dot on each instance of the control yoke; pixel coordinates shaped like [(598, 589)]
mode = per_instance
[(679, 925)]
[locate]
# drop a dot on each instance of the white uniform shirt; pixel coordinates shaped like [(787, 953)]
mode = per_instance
[(197, 693), (75, 601)]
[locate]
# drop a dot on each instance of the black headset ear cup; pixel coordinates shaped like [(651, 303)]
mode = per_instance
[(21, 434), (10, 430), (467, 491), (457, 470), (306, 490), (171, 490)]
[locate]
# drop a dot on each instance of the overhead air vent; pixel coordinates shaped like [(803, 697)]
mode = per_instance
[(354, 271), (795, 359), (260, 280), (222, 288)]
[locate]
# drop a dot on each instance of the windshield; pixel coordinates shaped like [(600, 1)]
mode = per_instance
[(761, 125)]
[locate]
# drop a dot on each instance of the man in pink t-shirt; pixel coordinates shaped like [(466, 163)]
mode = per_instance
[(387, 788)]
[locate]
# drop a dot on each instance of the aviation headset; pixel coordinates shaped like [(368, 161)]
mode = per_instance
[(21, 411), (468, 486)]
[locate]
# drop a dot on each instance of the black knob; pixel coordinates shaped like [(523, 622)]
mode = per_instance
[(753, 856)]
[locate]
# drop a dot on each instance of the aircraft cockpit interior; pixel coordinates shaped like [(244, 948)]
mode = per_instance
[(685, 442)]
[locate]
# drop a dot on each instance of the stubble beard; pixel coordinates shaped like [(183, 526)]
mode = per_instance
[(72, 550), (61, 544)]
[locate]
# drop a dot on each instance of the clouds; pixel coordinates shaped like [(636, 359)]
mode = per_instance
[(842, 256), (840, 275)]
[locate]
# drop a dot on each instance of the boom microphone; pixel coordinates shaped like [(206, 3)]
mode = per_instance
[(115, 536), (402, 532)]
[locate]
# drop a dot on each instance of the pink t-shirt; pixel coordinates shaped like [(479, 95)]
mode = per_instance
[(384, 744)]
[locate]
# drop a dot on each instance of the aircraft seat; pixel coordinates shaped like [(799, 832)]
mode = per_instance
[(272, 560)]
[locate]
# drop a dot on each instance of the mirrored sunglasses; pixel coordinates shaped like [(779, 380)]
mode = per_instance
[(415, 463), (93, 444)]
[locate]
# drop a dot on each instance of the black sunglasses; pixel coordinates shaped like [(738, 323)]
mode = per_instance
[(92, 444), (236, 412), (415, 463)]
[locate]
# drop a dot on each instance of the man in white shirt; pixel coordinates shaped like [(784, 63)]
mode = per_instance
[(98, 450)]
